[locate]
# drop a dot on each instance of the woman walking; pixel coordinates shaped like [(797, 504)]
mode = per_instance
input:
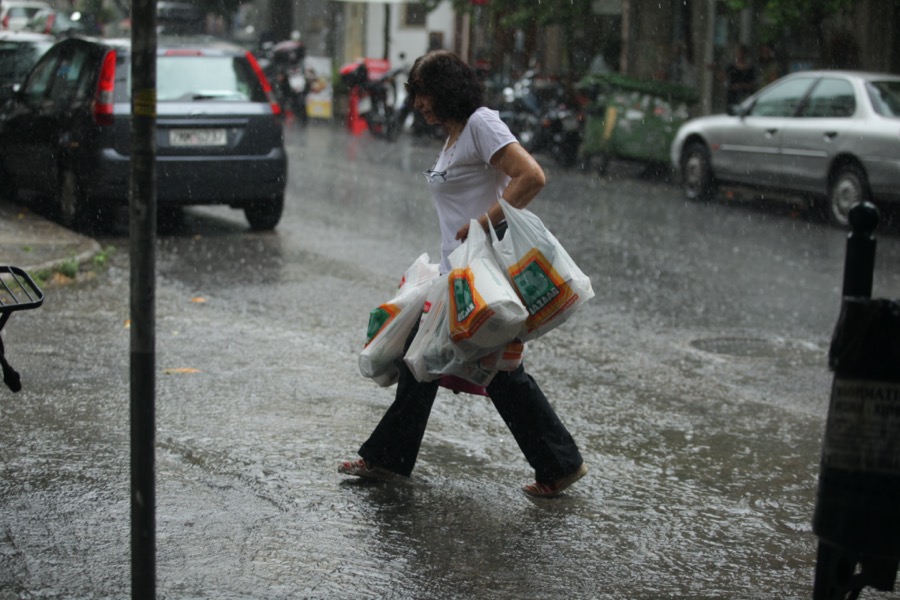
[(481, 162)]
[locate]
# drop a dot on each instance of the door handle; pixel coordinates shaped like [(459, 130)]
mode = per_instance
[(830, 135), (771, 132)]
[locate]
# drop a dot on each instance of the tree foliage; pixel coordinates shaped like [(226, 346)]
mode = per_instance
[(518, 14), (530, 18), (782, 15)]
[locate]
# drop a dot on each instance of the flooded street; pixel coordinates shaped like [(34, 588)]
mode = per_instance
[(695, 384)]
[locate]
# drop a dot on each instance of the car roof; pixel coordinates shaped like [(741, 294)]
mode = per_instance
[(31, 3), (867, 75), (208, 44), (25, 36)]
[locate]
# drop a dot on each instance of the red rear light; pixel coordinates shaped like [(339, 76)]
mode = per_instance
[(103, 103), (267, 87), (6, 21)]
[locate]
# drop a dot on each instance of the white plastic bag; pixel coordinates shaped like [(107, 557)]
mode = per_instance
[(549, 283), (431, 353), (391, 322), (483, 309)]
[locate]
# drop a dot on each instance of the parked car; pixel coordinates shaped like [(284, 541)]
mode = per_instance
[(19, 51), (833, 136), (15, 14), (55, 22), (66, 133)]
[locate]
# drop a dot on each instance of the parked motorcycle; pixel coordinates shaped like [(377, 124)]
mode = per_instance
[(561, 129), (544, 117), (285, 70), (376, 97), (522, 112)]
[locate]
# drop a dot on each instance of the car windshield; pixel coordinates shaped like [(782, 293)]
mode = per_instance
[(885, 97), (194, 78)]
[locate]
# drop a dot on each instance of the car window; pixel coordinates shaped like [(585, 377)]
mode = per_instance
[(830, 98), (40, 78), (781, 100), (186, 78), (68, 73), (885, 97), (23, 11)]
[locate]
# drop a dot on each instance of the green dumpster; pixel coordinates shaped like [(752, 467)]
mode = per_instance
[(631, 118)]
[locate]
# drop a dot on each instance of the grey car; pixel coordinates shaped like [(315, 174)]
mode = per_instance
[(831, 136), (220, 137)]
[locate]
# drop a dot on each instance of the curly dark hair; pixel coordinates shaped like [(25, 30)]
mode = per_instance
[(451, 83)]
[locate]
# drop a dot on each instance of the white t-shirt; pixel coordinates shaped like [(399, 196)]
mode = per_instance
[(463, 183)]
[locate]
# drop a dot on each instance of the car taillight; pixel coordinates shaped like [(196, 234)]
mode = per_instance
[(6, 21), (267, 87), (103, 103)]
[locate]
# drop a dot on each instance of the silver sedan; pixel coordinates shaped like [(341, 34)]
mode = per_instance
[(832, 136)]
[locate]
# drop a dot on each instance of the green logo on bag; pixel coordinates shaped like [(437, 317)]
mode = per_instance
[(377, 319), (465, 303), (536, 288)]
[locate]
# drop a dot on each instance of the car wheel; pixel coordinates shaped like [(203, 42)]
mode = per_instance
[(264, 214), (848, 188), (696, 172)]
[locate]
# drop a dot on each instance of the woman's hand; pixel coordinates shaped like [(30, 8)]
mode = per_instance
[(463, 233)]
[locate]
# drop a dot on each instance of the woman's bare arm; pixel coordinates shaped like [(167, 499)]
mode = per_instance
[(527, 179)]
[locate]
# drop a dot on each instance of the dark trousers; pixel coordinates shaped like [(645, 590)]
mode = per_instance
[(546, 443)]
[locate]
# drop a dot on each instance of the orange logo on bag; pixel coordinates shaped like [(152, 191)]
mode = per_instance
[(540, 287), (468, 311)]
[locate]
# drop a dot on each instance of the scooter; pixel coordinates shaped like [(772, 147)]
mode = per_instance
[(561, 129), (543, 117), (522, 112), (286, 72), (376, 98)]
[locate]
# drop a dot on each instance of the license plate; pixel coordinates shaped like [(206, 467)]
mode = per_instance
[(198, 137), (365, 105)]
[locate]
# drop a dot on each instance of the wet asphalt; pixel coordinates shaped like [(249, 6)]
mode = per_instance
[(695, 384)]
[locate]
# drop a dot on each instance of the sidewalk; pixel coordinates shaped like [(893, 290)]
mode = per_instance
[(34, 243)]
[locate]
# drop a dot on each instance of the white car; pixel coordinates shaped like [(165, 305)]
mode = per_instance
[(15, 14), (833, 136)]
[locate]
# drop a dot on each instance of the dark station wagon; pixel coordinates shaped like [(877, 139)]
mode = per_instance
[(66, 133)]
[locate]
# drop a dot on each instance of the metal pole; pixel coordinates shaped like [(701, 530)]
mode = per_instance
[(142, 215)]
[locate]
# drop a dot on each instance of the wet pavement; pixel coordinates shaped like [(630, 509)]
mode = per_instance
[(695, 384), (33, 243)]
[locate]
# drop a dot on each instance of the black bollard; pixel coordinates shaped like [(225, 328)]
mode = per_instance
[(859, 264), (857, 514)]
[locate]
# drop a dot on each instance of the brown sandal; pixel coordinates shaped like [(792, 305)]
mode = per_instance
[(551, 490), (360, 468)]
